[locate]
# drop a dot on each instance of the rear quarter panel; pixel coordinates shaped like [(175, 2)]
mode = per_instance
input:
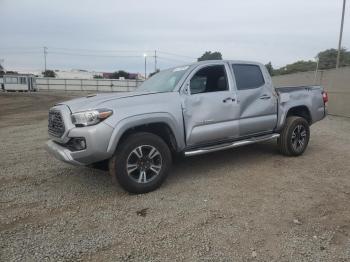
[(310, 97)]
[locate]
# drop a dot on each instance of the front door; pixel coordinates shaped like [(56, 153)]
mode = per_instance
[(210, 108)]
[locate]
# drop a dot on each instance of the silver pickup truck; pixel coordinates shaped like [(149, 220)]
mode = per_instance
[(190, 110)]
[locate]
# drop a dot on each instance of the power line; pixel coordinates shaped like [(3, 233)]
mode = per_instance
[(172, 59), (19, 47), (82, 50), (20, 52), (100, 50), (99, 53), (122, 51), (173, 54), (94, 55)]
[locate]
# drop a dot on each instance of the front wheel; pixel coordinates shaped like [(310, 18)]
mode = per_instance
[(141, 163), (294, 136)]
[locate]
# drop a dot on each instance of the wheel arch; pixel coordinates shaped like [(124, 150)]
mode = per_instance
[(160, 125), (302, 111)]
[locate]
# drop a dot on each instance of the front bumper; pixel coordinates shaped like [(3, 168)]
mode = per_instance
[(97, 138), (61, 153)]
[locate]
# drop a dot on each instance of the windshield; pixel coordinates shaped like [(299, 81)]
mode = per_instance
[(164, 81)]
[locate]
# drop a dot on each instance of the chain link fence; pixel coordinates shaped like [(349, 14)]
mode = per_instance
[(91, 85)]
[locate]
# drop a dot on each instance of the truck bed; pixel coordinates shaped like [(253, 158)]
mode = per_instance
[(284, 89), (308, 97)]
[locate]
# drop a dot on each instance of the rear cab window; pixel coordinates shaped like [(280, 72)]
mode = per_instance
[(248, 76)]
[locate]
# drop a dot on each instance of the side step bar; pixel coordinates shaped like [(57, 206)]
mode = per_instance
[(205, 150)]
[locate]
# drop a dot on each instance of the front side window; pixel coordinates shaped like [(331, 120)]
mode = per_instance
[(248, 76), (209, 79)]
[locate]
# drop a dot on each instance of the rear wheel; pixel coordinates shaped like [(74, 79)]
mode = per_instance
[(141, 163), (294, 137)]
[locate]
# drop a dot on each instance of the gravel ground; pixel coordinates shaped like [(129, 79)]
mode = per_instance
[(246, 204)]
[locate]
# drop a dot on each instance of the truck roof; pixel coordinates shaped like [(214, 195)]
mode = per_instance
[(224, 60)]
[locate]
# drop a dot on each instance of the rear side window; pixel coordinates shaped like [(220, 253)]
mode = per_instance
[(248, 76)]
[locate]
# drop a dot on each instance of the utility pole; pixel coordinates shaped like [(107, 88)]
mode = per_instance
[(45, 53), (341, 33), (155, 60), (145, 56), (316, 70)]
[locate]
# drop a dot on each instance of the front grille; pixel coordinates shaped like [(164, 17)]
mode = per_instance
[(56, 124)]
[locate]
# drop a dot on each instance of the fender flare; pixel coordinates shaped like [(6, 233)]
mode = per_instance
[(284, 113), (144, 119)]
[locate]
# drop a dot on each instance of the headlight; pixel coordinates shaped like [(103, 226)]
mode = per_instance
[(90, 117)]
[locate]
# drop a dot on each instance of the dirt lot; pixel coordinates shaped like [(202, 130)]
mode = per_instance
[(246, 204)]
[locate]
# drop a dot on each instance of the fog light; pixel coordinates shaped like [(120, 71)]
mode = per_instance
[(77, 144)]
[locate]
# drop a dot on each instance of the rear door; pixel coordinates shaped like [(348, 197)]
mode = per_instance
[(210, 106), (256, 99)]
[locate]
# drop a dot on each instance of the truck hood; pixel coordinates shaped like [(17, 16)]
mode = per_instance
[(95, 101)]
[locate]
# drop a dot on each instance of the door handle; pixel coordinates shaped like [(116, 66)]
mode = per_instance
[(228, 99), (265, 97)]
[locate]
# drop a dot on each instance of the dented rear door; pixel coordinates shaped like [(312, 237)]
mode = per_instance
[(256, 98)]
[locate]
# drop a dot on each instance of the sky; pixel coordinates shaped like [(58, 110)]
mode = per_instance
[(110, 35)]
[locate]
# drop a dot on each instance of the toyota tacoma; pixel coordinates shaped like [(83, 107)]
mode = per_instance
[(190, 110)]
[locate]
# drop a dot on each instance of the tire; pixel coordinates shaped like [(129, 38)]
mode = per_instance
[(294, 136), (141, 163)]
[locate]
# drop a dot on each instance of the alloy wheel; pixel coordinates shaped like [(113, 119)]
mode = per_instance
[(299, 137), (144, 164)]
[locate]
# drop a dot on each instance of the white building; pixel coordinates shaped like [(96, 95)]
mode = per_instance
[(67, 74), (76, 74)]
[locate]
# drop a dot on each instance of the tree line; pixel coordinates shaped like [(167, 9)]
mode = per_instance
[(326, 59)]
